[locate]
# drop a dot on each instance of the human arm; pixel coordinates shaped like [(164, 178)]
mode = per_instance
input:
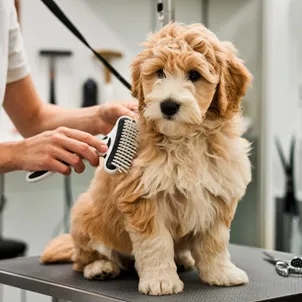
[(53, 133), (25, 107), (34, 116), (7, 157), (47, 141)]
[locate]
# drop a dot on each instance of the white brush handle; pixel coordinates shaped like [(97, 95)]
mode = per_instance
[(31, 178)]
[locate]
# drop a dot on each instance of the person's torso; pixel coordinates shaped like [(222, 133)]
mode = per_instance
[(4, 34)]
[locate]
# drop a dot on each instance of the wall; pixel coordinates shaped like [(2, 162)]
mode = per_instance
[(241, 23), (295, 11), (33, 211), (281, 114), (285, 86)]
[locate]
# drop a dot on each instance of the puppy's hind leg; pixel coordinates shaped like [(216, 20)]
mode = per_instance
[(108, 265), (95, 261), (183, 256), (101, 270), (184, 260)]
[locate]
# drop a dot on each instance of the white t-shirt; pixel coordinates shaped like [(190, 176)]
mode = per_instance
[(13, 60)]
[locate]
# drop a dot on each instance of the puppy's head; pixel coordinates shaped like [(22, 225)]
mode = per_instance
[(185, 75)]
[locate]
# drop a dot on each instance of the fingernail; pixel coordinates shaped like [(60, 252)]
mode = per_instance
[(104, 148)]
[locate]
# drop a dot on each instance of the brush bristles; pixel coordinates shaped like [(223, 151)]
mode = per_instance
[(127, 147)]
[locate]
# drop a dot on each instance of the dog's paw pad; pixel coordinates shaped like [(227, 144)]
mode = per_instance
[(161, 286), (229, 276), (101, 270)]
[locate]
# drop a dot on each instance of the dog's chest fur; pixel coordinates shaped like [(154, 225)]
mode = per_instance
[(186, 174)]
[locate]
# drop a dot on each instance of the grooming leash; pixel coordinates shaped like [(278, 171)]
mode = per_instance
[(63, 18)]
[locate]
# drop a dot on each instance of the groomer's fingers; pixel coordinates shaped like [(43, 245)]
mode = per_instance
[(81, 149), (81, 136), (69, 158), (122, 110), (131, 106), (57, 166)]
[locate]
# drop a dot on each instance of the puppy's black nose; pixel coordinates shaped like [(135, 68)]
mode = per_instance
[(169, 107)]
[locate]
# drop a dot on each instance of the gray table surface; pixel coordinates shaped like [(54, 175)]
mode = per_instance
[(60, 281)]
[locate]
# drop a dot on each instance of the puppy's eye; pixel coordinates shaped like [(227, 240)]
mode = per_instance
[(194, 76), (160, 73)]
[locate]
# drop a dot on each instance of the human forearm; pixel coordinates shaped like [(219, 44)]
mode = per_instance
[(32, 116), (9, 157), (98, 119), (50, 117)]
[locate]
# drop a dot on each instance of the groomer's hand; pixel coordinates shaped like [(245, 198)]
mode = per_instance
[(108, 114), (45, 151)]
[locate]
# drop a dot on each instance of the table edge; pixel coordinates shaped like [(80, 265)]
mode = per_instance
[(52, 289)]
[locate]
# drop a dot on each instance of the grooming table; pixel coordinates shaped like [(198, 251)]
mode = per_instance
[(60, 282)]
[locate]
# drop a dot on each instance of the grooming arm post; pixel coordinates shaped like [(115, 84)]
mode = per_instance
[(166, 12)]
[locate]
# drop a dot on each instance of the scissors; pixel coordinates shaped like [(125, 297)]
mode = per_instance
[(286, 267)]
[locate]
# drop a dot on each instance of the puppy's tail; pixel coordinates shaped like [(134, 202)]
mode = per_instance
[(59, 249)]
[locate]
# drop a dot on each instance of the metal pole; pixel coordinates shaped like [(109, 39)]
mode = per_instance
[(68, 202), (2, 204), (23, 295), (2, 201), (53, 299), (166, 12), (205, 13)]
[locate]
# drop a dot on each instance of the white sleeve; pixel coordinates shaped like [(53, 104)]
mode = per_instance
[(18, 66)]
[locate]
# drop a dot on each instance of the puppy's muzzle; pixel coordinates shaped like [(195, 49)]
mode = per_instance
[(169, 108)]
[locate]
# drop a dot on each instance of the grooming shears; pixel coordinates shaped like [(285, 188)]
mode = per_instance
[(286, 267)]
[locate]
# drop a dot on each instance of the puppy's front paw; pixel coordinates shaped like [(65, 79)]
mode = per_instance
[(163, 285), (225, 275), (101, 270)]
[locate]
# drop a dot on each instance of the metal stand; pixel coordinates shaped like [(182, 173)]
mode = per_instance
[(68, 202), (54, 299), (166, 12), (2, 205), (205, 13), (23, 295), (2, 202)]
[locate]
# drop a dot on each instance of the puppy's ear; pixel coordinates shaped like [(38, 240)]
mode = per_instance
[(137, 86), (233, 84)]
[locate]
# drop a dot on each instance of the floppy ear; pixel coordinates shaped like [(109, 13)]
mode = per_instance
[(233, 84), (137, 87)]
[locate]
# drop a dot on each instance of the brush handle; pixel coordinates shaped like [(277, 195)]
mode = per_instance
[(38, 175)]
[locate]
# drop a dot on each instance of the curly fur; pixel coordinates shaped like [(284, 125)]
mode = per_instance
[(176, 204)]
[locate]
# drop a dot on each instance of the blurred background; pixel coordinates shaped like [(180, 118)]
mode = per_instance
[(268, 36)]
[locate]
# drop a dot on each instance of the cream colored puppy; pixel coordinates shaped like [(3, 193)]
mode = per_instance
[(176, 204)]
